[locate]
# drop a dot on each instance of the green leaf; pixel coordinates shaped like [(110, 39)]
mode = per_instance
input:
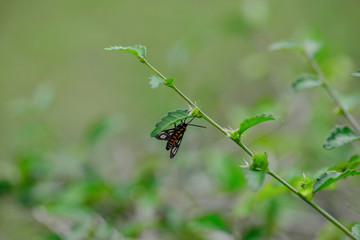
[(254, 178), (155, 81), (355, 230), (169, 119), (259, 162), (285, 45), (138, 50), (352, 163), (213, 221), (305, 82), (330, 177), (304, 185), (312, 47), (355, 74), (169, 82), (252, 121), (339, 136)]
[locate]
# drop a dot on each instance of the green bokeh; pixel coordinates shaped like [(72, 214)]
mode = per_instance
[(75, 147)]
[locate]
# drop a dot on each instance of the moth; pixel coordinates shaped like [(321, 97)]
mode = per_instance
[(174, 136)]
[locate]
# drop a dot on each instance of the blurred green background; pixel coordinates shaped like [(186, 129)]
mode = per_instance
[(76, 157)]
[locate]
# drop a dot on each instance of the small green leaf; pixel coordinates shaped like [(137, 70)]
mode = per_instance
[(155, 81), (252, 121), (169, 82), (339, 136), (196, 112), (212, 221), (285, 45), (304, 185), (259, 162), (305, 82), (352, 163), (312, 47), (330, 177), (169, 119), (138, 50), (355, 74), (355, 230), (254, 178)]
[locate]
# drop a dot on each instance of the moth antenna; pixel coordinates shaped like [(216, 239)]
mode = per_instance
[(196, 125), (191, 120)]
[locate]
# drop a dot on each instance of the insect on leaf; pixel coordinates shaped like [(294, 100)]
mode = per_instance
[(169, 119)]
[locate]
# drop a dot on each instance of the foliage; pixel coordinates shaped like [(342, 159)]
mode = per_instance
[(305, 82), (339, 136), (330, 177), (76, 158), (138, 50), (169, 119)]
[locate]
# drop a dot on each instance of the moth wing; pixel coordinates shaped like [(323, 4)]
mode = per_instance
[(175, 147), (165, 134)]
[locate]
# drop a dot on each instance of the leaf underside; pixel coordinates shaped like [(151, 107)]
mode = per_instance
[(169, 119), (304, 82), (155, 81), (138, 50), (285, 45), (330, 177), (355, 230), (355, 74), (339, 136)]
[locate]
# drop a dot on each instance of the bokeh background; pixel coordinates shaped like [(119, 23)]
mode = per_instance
[(76, 157)]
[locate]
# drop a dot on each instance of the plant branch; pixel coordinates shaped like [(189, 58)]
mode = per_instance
[(332, 93), (250, 153), (312, 204), (193, 105)]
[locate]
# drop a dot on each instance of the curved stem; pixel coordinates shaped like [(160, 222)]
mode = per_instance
[(312, 204), (248, 151), (332, 93), (192, 104)]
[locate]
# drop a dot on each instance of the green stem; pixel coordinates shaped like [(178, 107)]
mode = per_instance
[(312, 204), (248, 151), (204, 115), (332, 93)]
